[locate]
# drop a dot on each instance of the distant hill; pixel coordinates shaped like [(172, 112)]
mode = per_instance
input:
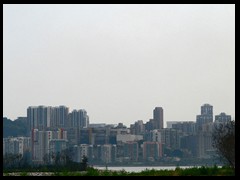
[(14, 128)]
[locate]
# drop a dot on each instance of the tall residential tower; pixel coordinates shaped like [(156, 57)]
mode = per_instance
[(158, 117), (206, 115)]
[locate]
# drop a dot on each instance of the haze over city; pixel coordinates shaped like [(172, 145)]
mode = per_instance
[(119, 62)]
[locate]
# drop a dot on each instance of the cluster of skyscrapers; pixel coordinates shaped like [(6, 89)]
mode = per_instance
[(53, 130), (47, 117)]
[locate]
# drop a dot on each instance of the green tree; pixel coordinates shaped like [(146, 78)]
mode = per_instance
[(224, 142), (84, 163)]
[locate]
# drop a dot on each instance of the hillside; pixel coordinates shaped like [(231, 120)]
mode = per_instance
[(14, 128)]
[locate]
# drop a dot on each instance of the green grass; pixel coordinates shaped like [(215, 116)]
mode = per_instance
[(195, 171), (23, 173), (201, 171)]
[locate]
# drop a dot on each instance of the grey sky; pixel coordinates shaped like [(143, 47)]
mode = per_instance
[(119, 61)]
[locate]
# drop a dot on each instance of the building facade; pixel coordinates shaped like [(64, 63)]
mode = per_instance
[(205, 117), (222, 118), (158, 117)]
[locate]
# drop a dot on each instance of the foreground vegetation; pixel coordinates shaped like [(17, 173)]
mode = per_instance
[(196, 171)]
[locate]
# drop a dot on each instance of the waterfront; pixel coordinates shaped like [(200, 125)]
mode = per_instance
[(140, 168), (136, 171)]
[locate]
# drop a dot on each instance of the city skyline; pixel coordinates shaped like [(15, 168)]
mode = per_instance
[(206, 110), (118, 62)]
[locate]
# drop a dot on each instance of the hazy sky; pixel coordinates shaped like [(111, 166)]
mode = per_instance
[(119, 61)]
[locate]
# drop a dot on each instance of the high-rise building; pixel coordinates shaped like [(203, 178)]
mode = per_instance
[(59, 117), (158, 117), (152, 151), (82, 150), (187, 127), (41, 143), (222, 118), (150, 125), (39, 117), (45, 117), (16, 145), (79, 118), (155, 135), (107, 153), (137, 128), (83, 117), (170, 123), (171, 138), (32, 117), (207, 109), (130, 150), (205, 117)]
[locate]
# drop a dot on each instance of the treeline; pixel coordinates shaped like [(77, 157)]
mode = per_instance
[(19, 163)]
